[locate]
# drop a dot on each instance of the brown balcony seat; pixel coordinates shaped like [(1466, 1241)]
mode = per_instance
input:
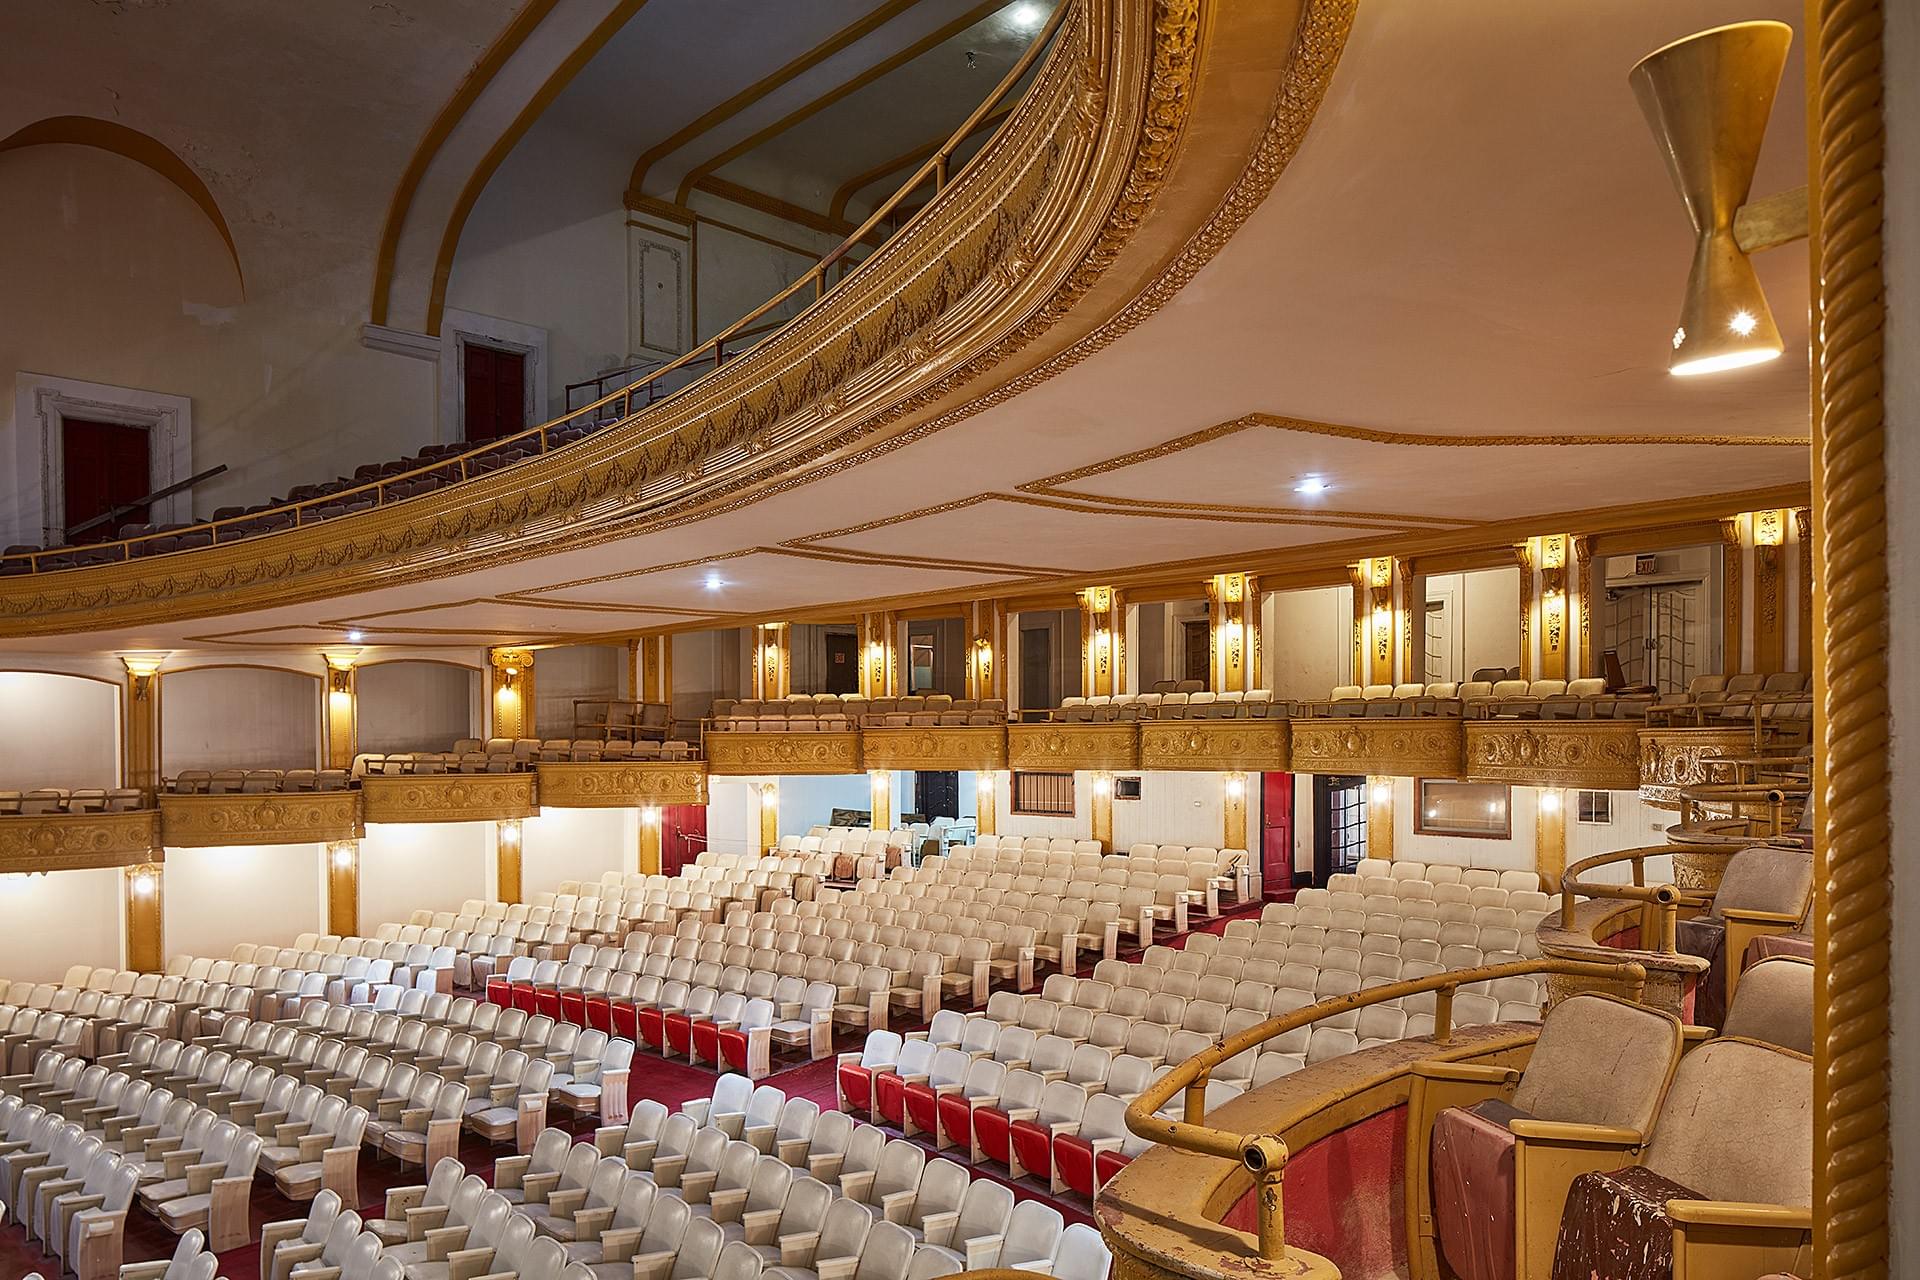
[(1761, 885)]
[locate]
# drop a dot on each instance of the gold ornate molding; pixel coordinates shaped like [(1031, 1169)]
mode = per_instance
[(622, 785), (78, 842), (450, 797), (1604, 756), (1397, 748), (777, 753), (299, 817), (1073, 746), (984, 747), (1251, 746), (1674, 758)]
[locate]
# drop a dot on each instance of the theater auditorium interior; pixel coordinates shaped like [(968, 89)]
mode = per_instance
[(888, 639)]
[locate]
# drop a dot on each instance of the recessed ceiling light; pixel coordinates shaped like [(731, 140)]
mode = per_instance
[(1027, 17), (715, 582), (355, 637), (1311, 485)]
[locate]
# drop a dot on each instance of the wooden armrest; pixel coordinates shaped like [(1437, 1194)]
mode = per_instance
[(561, 1204), (1593, 1135), (617, 1244), (442, 1241), (1466, 1073), (797, 1248), (759, 1225), (1760, 917), (1734, 1213)]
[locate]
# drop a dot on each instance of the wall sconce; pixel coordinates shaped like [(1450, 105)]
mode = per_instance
[(1380, 792), (142, 667), (650, 816), (1103, 784), (510, 663), (1549, 801), (510, 834), (144, 882), (507, 677), (1707, 98), (1236, 786), (983, 784), (1769, 528), (342, 854), (769, 795)]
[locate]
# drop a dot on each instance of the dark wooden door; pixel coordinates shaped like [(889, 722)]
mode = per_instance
[(1339, 824), (496, 392), (104, 464), (1036, 669), (1197, 640), (936, 794), (843, 664)]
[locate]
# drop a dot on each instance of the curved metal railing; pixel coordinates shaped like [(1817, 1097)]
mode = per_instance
[(1662, 900), (1265, 1155), (636, 395)]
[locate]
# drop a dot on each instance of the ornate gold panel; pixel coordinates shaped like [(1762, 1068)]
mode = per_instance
[(1674, 758), (1073, 746), (1399, 748), (622, 784), (753, 753), (979, 747), (309, 817), (450, 797), (1555, 753), (1250, 745), (77, 842)]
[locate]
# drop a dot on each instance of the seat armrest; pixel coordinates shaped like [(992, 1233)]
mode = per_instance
[(897, 1206), (797, 1248), (1466, 1073), (725, 1204), (618, 1243), (1734, 1213), (759, 1225), (1593, 1135), (938, 1227), (984, 1251)]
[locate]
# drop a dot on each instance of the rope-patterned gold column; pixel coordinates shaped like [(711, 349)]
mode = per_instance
[(1853, 917)]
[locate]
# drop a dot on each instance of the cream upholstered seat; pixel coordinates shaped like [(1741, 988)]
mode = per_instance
[(1774, 1005), (1764, 888)]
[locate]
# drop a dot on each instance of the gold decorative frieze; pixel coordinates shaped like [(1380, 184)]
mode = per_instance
[(79, 841), (294, 817), (1253, 746), (1398, 748), (622, 784), (1073, 746), (1602, 755), (1674, 758), (450, 797), (974, 747), (755, 753)]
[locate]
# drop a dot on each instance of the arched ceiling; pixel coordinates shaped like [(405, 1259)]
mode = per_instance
[(1452, 307)]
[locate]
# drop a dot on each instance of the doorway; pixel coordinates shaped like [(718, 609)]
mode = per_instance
[(495, 386), (1656, 633), (104, 465), (1195, 651), (843, 663), (1036, 668), (936, 793), (1339, 824), (683, 836), (1276, 833)]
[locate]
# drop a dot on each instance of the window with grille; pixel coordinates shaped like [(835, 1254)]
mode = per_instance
[(1048, 795), (1596, 808), (1347, 826)]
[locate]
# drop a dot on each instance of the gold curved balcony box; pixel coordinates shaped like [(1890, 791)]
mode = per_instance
[(1598, 924), (1674, 758), (78, 841), (1252, 746), (449, 797), (294, 817), (973, 747), (1428, 748), (627, 784), (747, 754), (1600, 755), (1114, 745)]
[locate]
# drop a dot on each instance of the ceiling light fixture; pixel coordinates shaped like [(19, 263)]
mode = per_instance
[(1027, 16), (715, 582), (1311, 485), (355, 637), (1707, 99)]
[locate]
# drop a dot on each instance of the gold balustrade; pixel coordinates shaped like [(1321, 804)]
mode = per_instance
[(1264, 1155)]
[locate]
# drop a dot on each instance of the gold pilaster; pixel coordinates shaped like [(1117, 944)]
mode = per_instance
[(1769, 589), (1590, 665), (879, 670), (655, 656), (343, 707), (507, 837), (1523, 556), (140, 766), (1233, 827), (1732, 538), (881, 783), (1380, 817), (1803, 528), (512, 693), (141, 889), (1233, 627), (1550, 836), (1373, 620), (650, 840), (1410, 619), (1549, 552), (985, 815), (1358, 577), (987, 649), (343, 887), (769, 815), (772, 660), (1103, 630), (1102, 811)]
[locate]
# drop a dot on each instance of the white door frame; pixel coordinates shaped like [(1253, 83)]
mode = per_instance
[(42, 404)]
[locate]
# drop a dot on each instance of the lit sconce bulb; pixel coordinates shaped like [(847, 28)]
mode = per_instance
[(1381, 792), (355, 637), (510, 833), (1102, 786), (1743, 323), (650, 815), (1236, 787), (1550, 801), (143, 885), (986, 784), (343, 856), (770, 796)]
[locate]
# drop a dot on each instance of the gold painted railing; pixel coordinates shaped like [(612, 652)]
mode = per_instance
[(1265, 1155), (1731, 814), (630, 398), (1662, 901)]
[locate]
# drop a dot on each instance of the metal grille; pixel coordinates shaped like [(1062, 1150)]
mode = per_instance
[(1347, 814), (1047, 795)]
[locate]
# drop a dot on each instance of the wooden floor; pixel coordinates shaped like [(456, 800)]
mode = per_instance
[(657, 1078)]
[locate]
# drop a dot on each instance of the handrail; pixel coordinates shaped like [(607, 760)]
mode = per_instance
[(1667, 899), (1265, 1155), (937, 165), (1736, 797)]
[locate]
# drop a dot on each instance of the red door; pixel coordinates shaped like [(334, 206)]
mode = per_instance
[(103, 465), (1276, 834), (683, 835), (496, 393)]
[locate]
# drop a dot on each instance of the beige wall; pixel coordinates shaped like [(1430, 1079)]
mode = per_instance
[(1308, 641), (421, 867), (239, 717), (78, 739), (57, 920), (417, 706), (218, 897)]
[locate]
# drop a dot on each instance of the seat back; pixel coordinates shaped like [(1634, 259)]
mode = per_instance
[(1738, 1125), (1640, 1045)]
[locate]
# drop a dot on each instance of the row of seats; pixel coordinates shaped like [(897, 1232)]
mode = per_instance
[(834, 713), (45, 801), (1202, 704), (1435, 873), (469, 757), (233, 782), (1582, 699), (1725, 699)]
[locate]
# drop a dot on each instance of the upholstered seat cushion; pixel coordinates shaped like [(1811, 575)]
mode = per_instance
[(493, 1124), (955, 1114), (578, 1094), (1473, 1189), (1033, 1142), (1616, 1224), (889, 1097), (1769, 945), (922, 1105), (184, 1212), (856, 1084), (992, 1131)]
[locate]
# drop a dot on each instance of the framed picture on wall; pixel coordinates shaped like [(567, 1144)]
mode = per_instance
[(1479, 810)]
